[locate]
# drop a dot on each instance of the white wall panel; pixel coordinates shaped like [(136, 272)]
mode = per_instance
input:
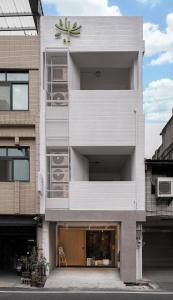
[(102, 118), (97, 34), (95, 195)]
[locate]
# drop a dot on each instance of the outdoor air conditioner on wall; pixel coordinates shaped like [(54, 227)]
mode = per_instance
[(59, 96), (59, 175), (164, 187), (59, 190), (59, 74), (58, 160)]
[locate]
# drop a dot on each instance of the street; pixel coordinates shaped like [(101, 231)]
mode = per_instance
[(52, 295)]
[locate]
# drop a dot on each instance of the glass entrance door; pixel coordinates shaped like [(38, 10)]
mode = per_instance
[(100, 248)]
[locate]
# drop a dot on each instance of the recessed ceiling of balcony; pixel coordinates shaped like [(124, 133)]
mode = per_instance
[(105, 150), (108, 162), (104, 60), (110, 167)]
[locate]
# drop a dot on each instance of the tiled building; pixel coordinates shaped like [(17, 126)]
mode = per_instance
[(19, 130), (92, 142), (158, 229), (72, 140), (165, 151)]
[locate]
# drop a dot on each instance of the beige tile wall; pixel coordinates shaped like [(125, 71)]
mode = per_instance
[(21, 53)]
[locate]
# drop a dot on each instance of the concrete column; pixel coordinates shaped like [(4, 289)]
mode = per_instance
[(139, 252), (39, 238), (43, 239), (46, 240), (52, 245), (128, 251)]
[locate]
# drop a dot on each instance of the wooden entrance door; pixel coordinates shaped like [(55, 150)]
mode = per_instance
[(73, 242)]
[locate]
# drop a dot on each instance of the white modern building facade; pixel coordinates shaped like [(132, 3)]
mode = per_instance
[(91, 179)]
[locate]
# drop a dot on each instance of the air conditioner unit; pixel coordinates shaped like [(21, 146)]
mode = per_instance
[(59, 175), (59, 98), (59, 160), (59, 190), (59, 74), (164, 187)]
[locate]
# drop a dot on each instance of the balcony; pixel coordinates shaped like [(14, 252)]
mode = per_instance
[(96, 195), (102, 118)]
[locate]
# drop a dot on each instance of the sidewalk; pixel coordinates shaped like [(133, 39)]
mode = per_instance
[(162, 277), (88, 279), (10, 280), (79, 279)]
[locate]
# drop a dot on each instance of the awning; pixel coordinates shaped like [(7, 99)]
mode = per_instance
[(20, 17), (17, 221)]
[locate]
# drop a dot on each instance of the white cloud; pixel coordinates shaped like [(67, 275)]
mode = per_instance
[(153, 3), (84, 7), (159, 43), (158, 100)]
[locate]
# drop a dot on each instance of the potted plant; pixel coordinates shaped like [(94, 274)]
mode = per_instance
[(39, 266), (25, 268), (33, 268)]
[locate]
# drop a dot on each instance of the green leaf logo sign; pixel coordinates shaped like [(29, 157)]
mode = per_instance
[(68, 29)]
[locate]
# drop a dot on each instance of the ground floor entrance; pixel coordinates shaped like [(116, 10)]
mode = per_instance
[(88, 247), (95, 239), (158, 246), (15, 241)]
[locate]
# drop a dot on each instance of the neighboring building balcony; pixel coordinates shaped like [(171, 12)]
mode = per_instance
[(102, 117)]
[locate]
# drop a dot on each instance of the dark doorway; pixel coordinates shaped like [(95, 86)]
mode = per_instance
[(15, 241), (158, 248)]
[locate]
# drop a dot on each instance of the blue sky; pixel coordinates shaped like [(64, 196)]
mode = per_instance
[(154, 14), (158, 35)]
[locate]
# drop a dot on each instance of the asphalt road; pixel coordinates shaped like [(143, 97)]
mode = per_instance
[(83, 296)]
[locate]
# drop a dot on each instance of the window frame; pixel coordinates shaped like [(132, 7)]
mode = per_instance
[(10, 84), (7, 84), (13, 158)]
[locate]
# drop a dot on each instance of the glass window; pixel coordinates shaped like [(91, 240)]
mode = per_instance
[(2, 76), (5, 97), (14, 164), (21, 170), (5, 170), (20, 96), (3, 151), (14, 91), (17, 76), (21, 152), (99, 244)]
